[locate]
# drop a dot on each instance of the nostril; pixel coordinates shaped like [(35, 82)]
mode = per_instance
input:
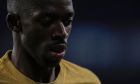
[(57, 36), (59, 39)]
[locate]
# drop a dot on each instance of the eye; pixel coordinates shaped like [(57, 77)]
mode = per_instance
[(67, 22), (45, 20)]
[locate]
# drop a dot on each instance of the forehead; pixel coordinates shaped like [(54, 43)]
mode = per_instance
[(44, 3), (50, 6)]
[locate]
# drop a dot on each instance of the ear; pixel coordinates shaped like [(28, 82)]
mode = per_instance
[(13, 22)]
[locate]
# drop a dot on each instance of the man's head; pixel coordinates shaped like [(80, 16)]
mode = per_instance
[(41, 28)]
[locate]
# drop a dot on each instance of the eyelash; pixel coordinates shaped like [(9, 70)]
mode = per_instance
[(45, 21), (67, 22)]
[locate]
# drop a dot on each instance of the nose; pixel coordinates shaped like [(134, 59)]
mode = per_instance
[(60, 31)]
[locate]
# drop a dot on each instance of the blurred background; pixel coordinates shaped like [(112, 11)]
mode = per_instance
[(105, 38)]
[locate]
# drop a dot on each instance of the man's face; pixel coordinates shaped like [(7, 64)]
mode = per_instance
[(46, 30)]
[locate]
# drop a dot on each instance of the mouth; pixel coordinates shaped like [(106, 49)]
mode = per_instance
[(58, 50)]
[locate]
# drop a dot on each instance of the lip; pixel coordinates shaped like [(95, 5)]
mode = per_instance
[(58, 55), (58, 50)]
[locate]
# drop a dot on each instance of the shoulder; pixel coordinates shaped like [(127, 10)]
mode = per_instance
[(4, 74), (4, 64), (1, 66), (79, 71), (2, 59)]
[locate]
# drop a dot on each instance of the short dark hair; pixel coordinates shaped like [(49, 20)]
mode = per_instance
[(16, 6), (12, 6), (24, 6)]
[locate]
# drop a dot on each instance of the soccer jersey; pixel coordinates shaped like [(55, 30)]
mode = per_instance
[(70, 73)]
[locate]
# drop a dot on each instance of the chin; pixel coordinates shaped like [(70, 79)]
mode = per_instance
[(51, 61)]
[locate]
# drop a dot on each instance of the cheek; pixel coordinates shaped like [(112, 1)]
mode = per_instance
[(33, 39), (29, 40), (32, 33)]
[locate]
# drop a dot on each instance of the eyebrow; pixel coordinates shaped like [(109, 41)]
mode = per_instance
[(69, 14)]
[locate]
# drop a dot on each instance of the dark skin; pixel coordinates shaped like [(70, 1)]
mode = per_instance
[(40, 38)]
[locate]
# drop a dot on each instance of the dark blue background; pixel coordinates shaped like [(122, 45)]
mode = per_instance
[(105, 38)]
